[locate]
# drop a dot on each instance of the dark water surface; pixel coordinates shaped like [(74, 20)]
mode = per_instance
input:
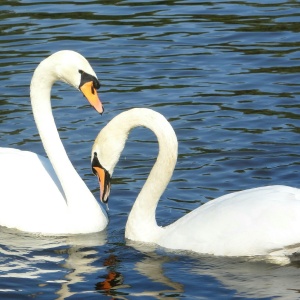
[(224, 73)]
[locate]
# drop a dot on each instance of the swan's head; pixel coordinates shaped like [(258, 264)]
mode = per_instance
[(72, 68), (106, 152), (105, 155)]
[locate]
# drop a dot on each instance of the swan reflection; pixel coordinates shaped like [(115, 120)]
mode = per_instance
[(37, 264), (247, 278), (59, 261)]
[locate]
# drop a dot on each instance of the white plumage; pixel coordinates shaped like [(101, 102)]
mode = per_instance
[(262, 221), (44, 195)]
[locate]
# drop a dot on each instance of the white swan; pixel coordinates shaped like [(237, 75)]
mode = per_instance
[(42, 196), (262, 221)]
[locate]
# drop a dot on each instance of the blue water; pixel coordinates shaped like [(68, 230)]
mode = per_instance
[(224, 73)]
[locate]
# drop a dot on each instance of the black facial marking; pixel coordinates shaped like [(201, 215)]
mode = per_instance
[(85, 77), (96, 163)]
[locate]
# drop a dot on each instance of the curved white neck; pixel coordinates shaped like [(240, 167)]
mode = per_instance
[(141, 224), (40, 91)]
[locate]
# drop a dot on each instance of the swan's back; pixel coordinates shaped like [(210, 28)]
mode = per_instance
[(250, 222)]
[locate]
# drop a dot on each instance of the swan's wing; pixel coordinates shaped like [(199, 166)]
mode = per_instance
[(28, 184), (250, 222)]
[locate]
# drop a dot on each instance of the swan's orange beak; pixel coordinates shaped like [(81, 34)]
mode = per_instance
[(103, 177), (104, 182), (90, 93)]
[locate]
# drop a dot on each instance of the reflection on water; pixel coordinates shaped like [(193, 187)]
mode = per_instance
[(253, 279), (56, 262), (224, 73), (176, 274), (113, 280)]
